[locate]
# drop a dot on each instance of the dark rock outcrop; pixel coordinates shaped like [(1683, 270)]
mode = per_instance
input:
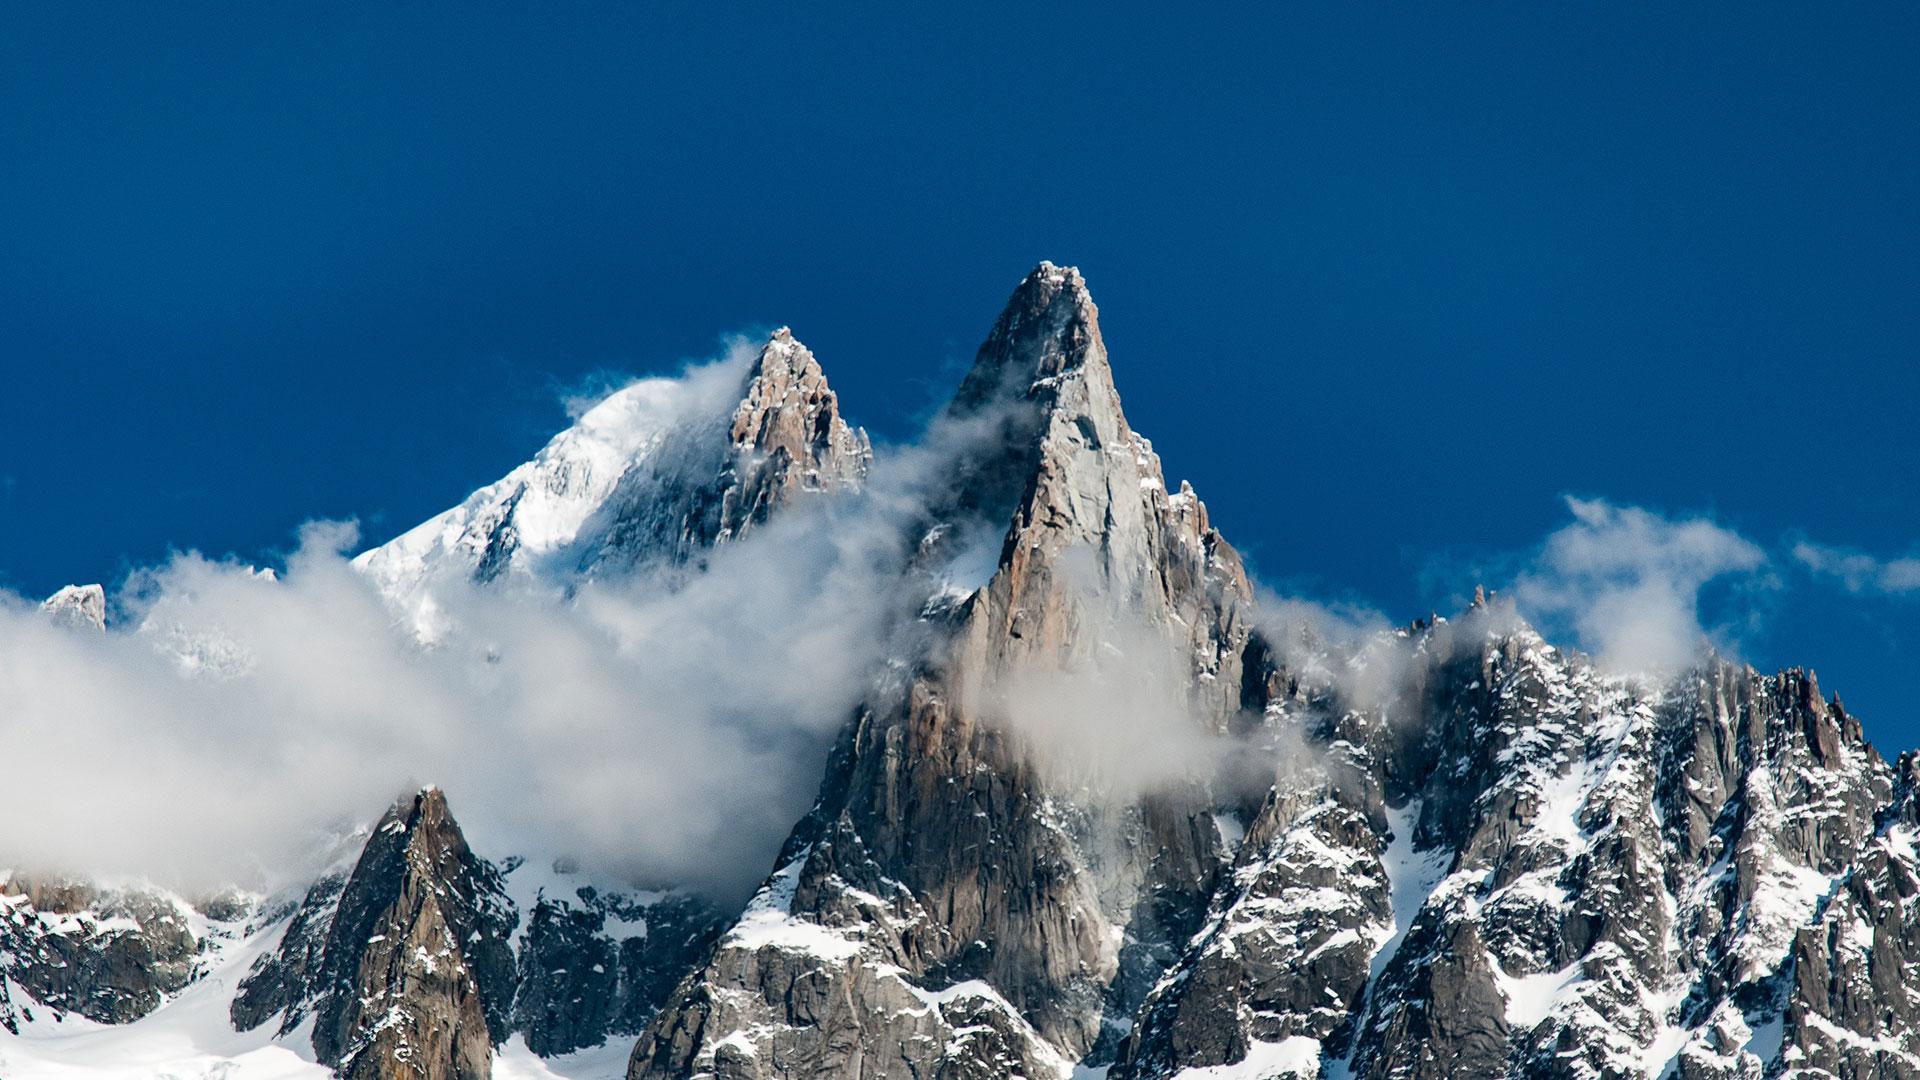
[(414, 975), (110, 955), (598, 964)]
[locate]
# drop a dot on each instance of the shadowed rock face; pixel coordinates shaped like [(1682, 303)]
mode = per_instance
[(1853, 993), (406, 965), (109, 955), (598, 965), (424, 975)]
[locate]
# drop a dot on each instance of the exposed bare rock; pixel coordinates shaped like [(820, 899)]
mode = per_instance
[(414, 976), (1853, 992), (710, 484), (951, 907), (287, 982), (108, 954), (598, 964), (1447, 850)]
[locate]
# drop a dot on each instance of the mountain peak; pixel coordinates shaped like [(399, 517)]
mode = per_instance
[(787, 403), (1058, 275), (416, 963), (1049, 330), (83, 606), (663, 467), (708, 486)]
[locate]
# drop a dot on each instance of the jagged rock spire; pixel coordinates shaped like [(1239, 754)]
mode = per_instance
[(1072, 475), (935, 867), (785, 439), (788, 436), (658, 471), (1049, 328), (408, 960)]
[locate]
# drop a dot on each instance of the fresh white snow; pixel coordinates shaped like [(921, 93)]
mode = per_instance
[(769, 921), (1295, 1056), (187, 1038), (607, 1061), (549, 499)]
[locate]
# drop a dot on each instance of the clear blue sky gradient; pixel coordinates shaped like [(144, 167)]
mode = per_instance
[(1384, 283)]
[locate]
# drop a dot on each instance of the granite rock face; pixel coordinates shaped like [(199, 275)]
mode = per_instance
[(1587, 876), (412, 955), (414, 972), (1853, 993), (710, 483), (1478, 856), (952, 906)]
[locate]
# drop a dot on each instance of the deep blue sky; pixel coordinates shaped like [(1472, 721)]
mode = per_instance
[(1383, 283)]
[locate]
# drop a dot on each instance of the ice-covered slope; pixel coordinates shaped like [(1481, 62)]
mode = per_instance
[(659, 470), (540, 506)]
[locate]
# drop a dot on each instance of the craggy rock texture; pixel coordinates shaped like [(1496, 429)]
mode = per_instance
[(949, 908), (109, 955), (1603, 879), (1853, 996), (598, 964), (1486, 858), (707, 485), (413, 974)]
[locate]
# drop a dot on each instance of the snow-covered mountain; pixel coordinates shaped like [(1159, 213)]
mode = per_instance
[(541, 506), (1096, 815), (659, 470)]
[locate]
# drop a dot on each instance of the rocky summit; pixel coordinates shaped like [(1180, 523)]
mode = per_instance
[(1096, 814)]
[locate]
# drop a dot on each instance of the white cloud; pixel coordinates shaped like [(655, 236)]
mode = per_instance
[(1627, 582), (1859, 571), (664, 731)]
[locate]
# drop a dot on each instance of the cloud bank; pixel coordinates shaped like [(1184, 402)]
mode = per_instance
[(662, 728), (1859, 571), (663, 736), (670, 731)]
